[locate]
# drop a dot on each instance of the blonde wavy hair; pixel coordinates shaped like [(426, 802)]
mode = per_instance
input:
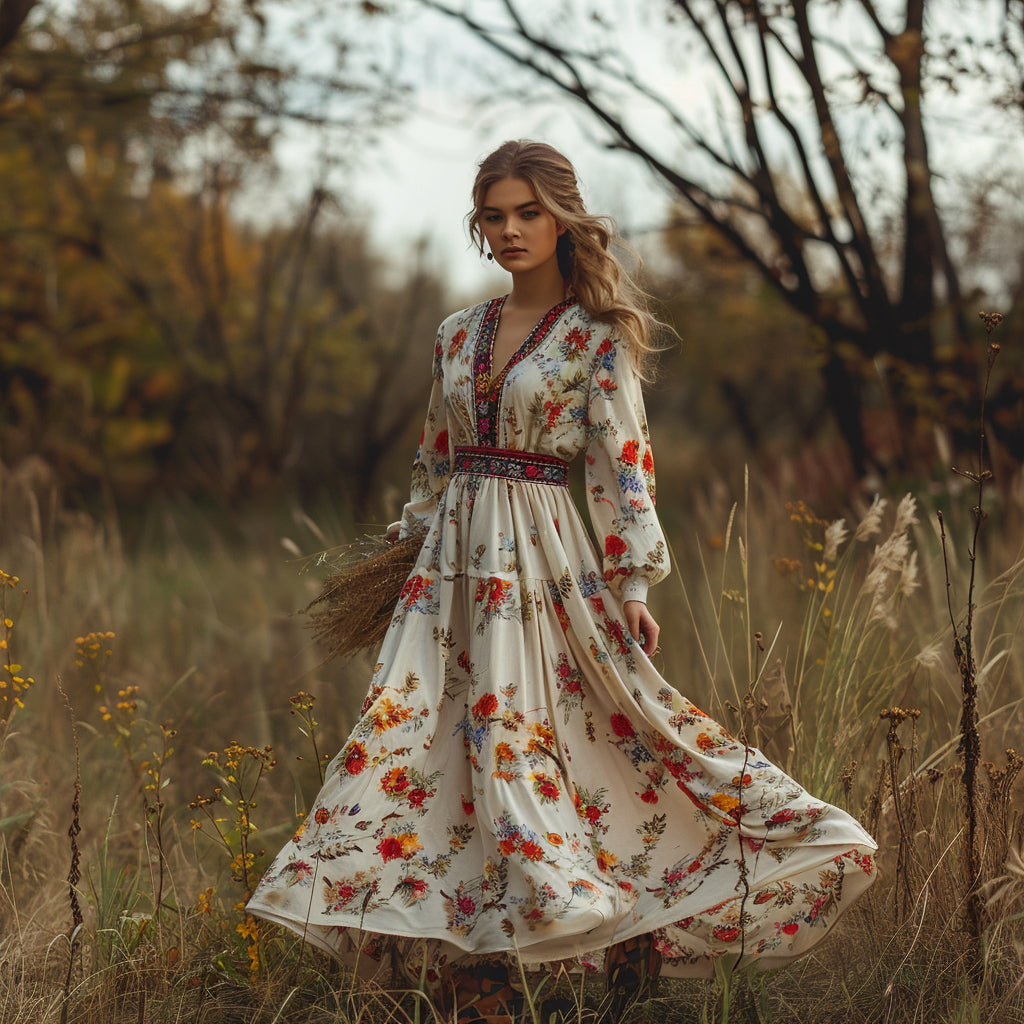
[(592, 271)]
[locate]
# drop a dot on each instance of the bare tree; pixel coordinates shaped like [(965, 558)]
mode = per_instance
[(862, 249)]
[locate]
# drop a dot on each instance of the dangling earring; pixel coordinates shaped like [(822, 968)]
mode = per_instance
[(490, 255)]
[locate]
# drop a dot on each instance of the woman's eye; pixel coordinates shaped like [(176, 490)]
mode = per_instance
[(530, 214), (491, 218)]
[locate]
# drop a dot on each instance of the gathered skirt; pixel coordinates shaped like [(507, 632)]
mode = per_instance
[(522, 779)]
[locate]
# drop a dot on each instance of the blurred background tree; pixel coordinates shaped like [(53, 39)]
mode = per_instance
[(153, 333), (804, 135), (180, 314)]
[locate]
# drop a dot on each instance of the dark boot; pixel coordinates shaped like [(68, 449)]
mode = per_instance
[(482, 993), (632, 966)]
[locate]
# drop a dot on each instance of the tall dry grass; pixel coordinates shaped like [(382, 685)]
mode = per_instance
[(826, 642)]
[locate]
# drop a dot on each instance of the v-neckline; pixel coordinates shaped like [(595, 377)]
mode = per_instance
[(487, 389), (541, 328)]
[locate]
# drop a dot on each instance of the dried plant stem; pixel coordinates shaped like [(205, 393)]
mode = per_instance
[(963, 653), (74, 871)]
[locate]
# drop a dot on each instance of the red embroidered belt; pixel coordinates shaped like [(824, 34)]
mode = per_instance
[(528, 467)]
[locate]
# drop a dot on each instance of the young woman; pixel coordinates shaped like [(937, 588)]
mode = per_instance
[(522, 782)]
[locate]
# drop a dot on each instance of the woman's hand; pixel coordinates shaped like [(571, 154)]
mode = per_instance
[(641, 623), (392, 532)]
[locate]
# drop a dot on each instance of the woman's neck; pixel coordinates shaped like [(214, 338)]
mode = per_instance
[(538, 289)]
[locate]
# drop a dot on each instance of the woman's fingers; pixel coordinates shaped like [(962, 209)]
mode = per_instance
[(650, 630), (640, 622)]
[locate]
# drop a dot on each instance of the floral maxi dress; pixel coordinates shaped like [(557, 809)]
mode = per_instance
[(521, 777)]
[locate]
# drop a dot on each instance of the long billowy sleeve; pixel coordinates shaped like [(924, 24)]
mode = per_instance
[(620, 477), (432, 465)]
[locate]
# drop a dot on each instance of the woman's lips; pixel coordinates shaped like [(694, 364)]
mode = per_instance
[(512, 251)]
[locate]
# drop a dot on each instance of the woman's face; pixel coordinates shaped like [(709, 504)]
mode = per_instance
[(518, 230)]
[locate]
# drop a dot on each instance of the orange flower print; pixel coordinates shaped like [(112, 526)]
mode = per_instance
[(531, 850), (322, 816), (648, 461), (396, 781), (705, 742), (387, 714), (555, 839), (605, 860), (724, 802), (485, 707), (725, 933), (630, 453)]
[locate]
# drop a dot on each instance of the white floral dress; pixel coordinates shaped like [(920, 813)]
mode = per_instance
[(521, 777)]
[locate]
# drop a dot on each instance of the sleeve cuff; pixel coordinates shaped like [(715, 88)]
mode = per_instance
[(634, 588)]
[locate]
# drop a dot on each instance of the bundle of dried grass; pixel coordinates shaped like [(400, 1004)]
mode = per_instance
[(358, 598)]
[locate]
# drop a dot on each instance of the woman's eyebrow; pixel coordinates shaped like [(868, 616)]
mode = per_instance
[(521, 206)]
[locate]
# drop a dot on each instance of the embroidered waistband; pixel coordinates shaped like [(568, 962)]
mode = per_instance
[(529, 467)]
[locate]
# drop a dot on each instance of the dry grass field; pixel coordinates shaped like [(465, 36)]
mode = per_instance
[(176, 680)]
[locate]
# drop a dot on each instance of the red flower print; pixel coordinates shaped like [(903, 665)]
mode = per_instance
[(649, 796), (764, 896), (403, 845), (725, 933), (416, 797), (575, 341), (457, 340), (614, 546), (705, 742), (414, 586), (466, 905), (506, 847), (441, 444), (467, 806), (593, 814), (622, 726), (485, 706), (355, 758), (630, 452), (390, 848), (791, 928), (322, 816), (531, 850), (554, 410), (648, 461), (781, 817)]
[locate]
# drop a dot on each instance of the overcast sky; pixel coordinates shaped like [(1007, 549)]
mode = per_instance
[(415, 181)]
